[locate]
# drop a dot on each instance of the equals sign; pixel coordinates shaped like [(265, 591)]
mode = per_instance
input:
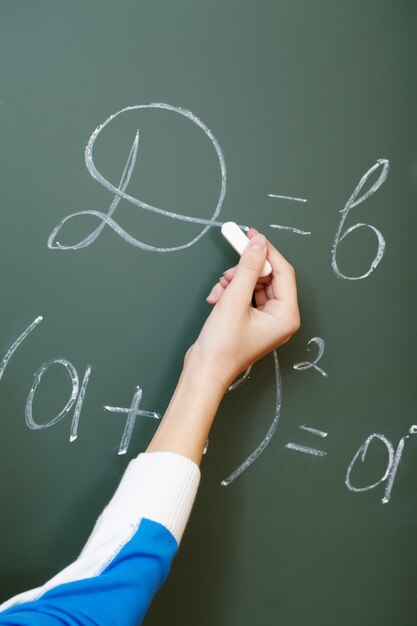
[(307, 449)]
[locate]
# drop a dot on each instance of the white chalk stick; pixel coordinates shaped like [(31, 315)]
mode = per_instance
[(238, 240)]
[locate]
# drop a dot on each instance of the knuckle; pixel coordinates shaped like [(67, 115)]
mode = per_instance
[(251, 263), (291, 269), (187, 356), (294, 322), (251, 268)]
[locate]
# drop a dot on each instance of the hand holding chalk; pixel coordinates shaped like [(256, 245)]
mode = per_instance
[(236, 334), (238, 240)]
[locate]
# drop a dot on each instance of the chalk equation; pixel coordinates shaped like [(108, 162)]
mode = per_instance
[(119, 192), (78, 392)]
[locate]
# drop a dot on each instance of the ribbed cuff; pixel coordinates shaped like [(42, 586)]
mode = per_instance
[(160, 486)]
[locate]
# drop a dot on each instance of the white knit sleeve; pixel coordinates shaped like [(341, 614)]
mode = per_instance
[(158, 486)]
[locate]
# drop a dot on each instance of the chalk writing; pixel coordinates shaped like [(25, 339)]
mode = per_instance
[(353, 201), (132, 412), (240, 380), (79, 404), (77, 397), (5, 360), (394, 457), (120, 191), (274, 195), (305, 449), (308, 449), (72, 372), (297, 231), (314, 431), (265, 441), (304, 365), (124, 181)]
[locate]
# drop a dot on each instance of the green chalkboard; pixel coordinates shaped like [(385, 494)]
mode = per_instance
[(129, 131)]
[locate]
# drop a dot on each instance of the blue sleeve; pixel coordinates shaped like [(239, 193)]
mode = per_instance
[(127, 557), (120, 595)]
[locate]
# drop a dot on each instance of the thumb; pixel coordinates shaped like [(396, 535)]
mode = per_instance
[(248, 271)]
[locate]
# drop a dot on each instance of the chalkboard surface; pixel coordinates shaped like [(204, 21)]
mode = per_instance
[(129, 132)]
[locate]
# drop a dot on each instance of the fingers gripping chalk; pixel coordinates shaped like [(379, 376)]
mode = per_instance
[(238, 240)]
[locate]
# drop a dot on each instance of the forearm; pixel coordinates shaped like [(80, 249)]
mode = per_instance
[(186, 424)]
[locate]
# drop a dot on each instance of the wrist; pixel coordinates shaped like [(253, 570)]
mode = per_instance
[(200, 381), (204, 372)]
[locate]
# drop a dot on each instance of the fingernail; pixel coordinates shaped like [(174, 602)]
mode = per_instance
[(215, 292), (258, 243)]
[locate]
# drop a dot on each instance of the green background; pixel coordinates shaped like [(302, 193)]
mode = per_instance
[(303, 98)]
